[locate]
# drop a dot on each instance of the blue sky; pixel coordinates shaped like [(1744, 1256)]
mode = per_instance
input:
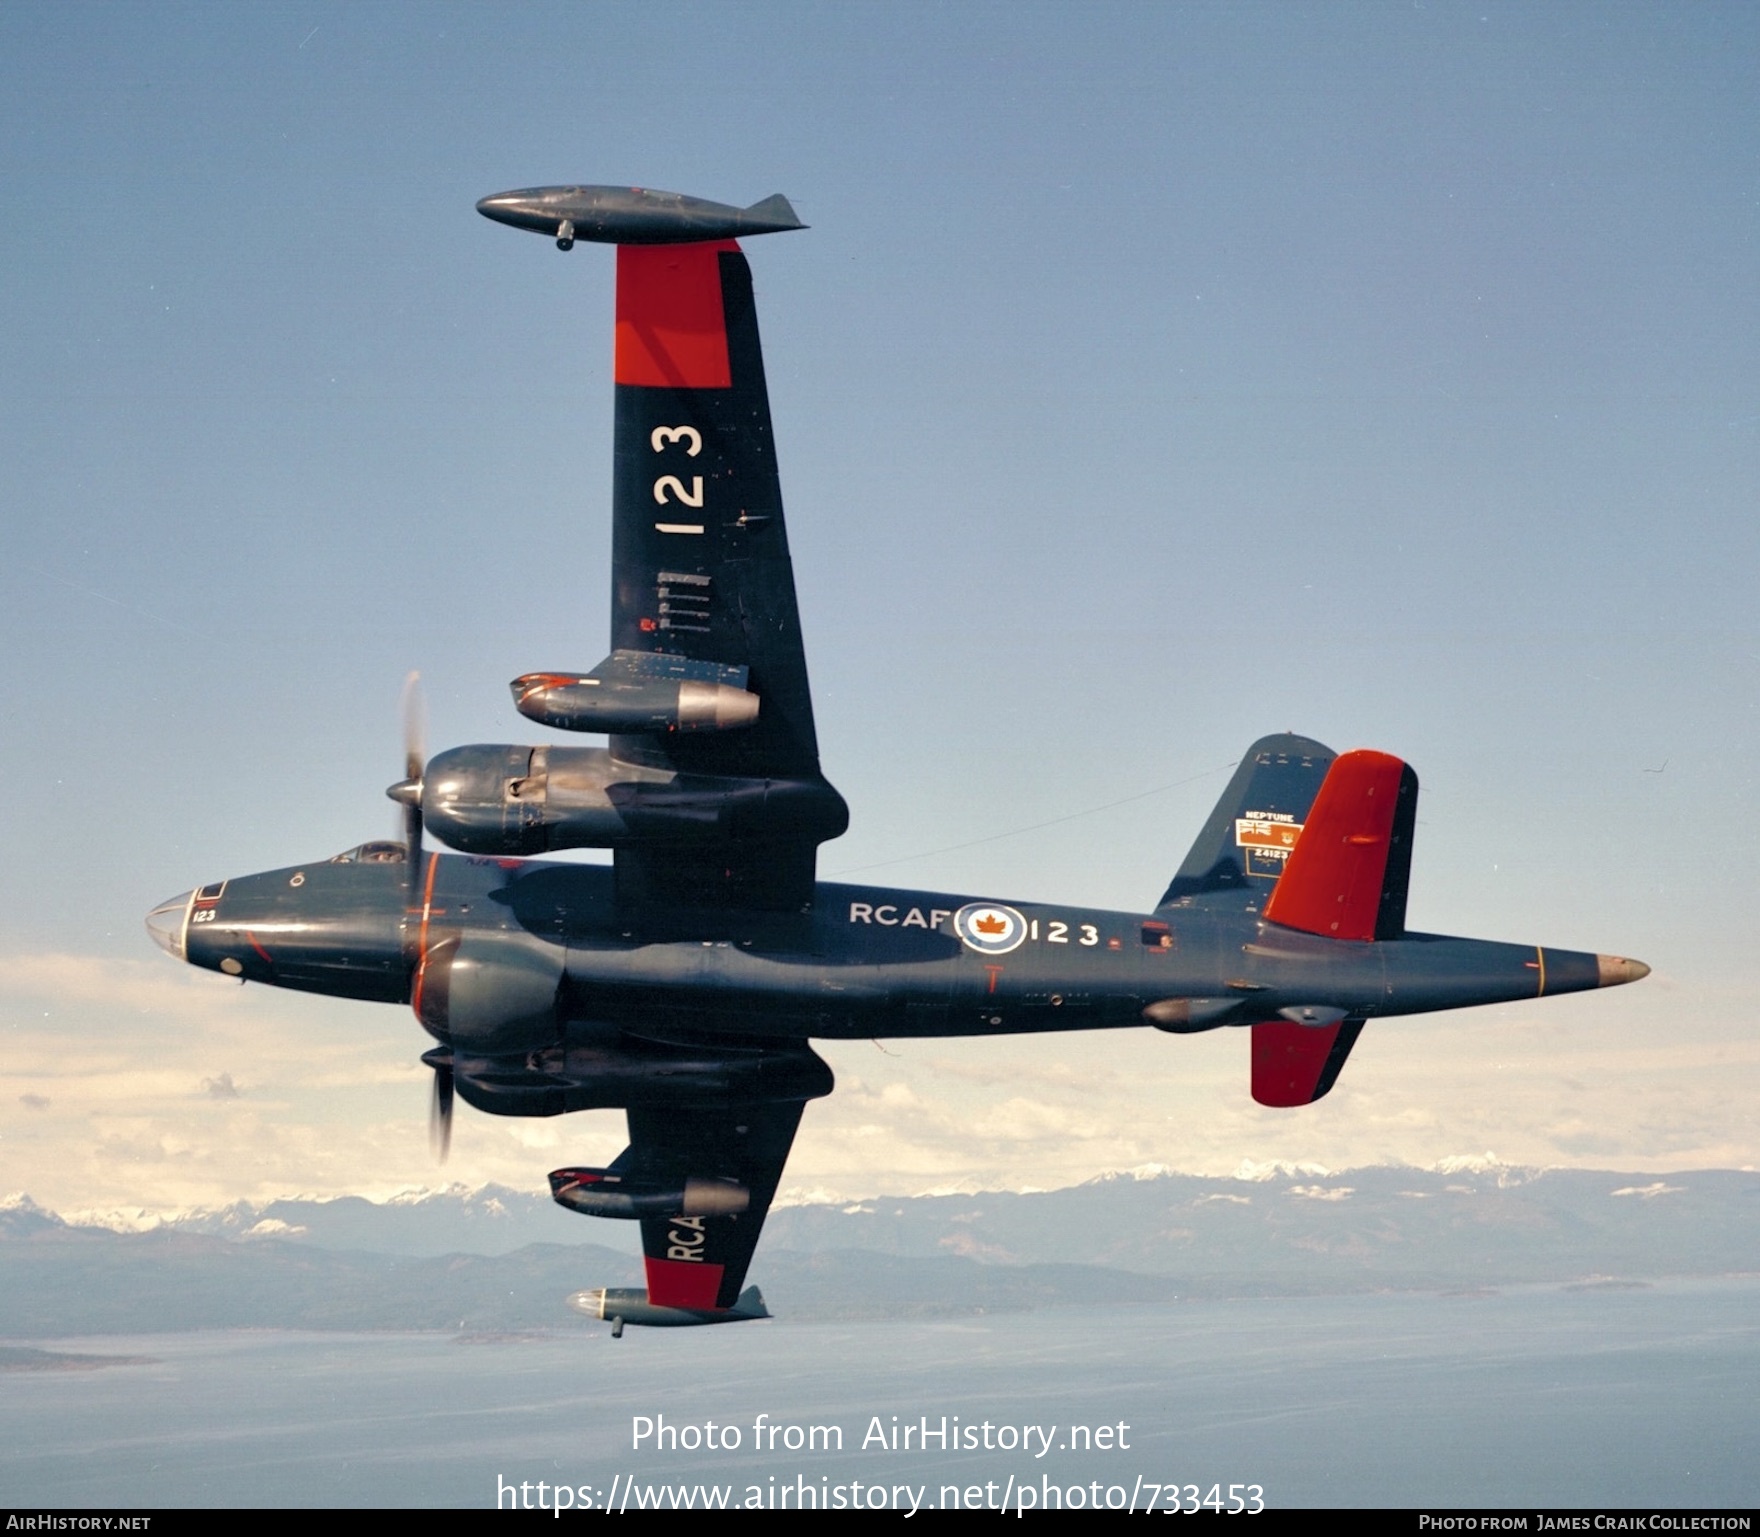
[(1151, 377)]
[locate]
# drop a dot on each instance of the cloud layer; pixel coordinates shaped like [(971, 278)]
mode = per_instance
[(143, 1085)]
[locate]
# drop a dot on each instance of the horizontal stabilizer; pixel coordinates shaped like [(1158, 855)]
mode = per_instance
[(1298, 1064), (1346, 877)]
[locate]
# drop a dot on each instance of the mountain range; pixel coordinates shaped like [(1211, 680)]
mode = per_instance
[(495, 1258)]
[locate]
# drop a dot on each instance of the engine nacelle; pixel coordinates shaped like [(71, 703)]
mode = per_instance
[(608, 1193), (639, 691), (618, 1072), (490, 994), (534, 800)]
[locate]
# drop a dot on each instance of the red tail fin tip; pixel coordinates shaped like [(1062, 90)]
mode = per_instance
[(1331, 884)]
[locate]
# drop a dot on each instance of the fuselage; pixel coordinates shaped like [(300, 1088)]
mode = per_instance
[(863, 961)]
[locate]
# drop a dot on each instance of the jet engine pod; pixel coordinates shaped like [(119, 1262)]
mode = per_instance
[(490, 994), (639, 691), (608, 1193), (571, 702)]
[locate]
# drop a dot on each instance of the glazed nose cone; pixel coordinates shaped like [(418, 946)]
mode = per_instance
[(165, 923)]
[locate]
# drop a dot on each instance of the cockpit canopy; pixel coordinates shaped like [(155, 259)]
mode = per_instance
[(381, 851)]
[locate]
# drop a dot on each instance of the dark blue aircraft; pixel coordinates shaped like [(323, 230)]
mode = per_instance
[(684, 982)]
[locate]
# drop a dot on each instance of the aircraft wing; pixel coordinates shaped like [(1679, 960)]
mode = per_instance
[(701, 1262), (702, 577)]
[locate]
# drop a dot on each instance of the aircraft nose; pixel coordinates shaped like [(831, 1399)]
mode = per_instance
[(166, 924)]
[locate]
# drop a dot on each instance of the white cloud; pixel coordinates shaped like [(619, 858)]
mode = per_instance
[(330, 1098), (119, 987)]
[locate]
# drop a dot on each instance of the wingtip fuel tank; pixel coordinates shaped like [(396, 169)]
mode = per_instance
[(633, 215), (618, 1305)]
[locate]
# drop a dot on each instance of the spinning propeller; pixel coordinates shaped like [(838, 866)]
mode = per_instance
[(440, 1106), (407, 792)]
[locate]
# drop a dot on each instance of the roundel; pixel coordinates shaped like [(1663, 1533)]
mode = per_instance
[(989, 929)]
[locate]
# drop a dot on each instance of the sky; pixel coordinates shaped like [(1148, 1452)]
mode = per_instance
[(1151, 377)]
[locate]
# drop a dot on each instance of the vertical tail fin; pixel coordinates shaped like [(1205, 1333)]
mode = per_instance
[(1243, 846), (1347, 875)]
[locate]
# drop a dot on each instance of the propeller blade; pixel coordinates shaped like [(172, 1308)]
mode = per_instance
[(408, 793), (440, 1112), (415, 727)]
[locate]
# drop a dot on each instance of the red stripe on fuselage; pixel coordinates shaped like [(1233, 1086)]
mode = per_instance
[(677, 1283), (671, 327)]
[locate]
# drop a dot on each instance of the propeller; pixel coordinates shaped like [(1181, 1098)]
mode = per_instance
[(440, 1110), (407, 792)]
